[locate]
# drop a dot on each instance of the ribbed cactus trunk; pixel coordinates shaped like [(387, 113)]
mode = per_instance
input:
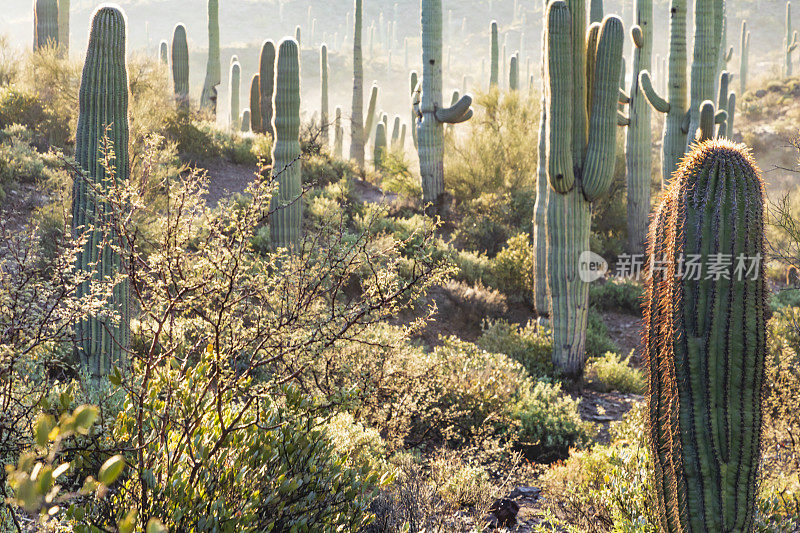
[(338, 138), (45, 24), (379, 150), (208, 99), (323, 83), (676, 106), (432, 114), (235, 94), (266, 75), (357, 115), (255, 103), (789, 42), (101, 340), (63, 26), (244, 120), (581, 154), (180, 66), (596, 11), (638, 150), (395, 133), (494, 72), (414, 86), (705, 342), (744, 58), (163, 53), (540, 290), (286, 221), (704, 61), (513, 73)]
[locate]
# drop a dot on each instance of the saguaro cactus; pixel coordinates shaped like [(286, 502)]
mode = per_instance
[(255, 103), (638, 159), (338, 137), (180, 65), (596, 11), (582, 93), (379, 150), (323, 82), (395, 133), (495, 52), (414, 87), (244, 120), (432, 114), (63, 25), (45, 23), (286, 221), (208, 99), (235, 93), (705, 61), (266, 62), (513, 73), (676, 107), (744, 58), (541, 299), (789, 42), (705, 342), (357, 134), (163, 53), (102, 339)]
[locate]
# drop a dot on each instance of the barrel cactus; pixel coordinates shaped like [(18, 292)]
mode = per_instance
[(45, 24), (255, 103), (235, 92), (287, 217), (180, 65), (431, 113), (208, 98), (266, 76), (582, 81), (101, 340), (705, 341)]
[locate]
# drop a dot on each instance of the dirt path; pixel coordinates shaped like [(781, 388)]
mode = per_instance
[(226, 179)]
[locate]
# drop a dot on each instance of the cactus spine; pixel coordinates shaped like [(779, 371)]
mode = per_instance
[(357, 134), (638, 159), (323, 59), (286, 222), (266, 67), (338, 137), (790, 42), (432, 114), (581, 153), (494, 75), (101, 340), (208, 99), (45, 24), (235, 90), (379, 151), (180, 65), (541, 300), (63, 25), (744, 58), (676, 106), (255, 104), (163, 53), (705, 343)]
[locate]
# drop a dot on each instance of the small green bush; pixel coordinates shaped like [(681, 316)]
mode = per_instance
[(612, 372), (21, 163), (512, 268), (622, 295), (193, 143), (321, 170), (549, 422), (473, 268), (18, 106), (784, 298), (530, 345), (460, 484), (598, 341)]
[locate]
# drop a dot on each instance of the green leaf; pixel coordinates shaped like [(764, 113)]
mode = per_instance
[(44, 425), (111, 470), (85, 416), (154, 525)]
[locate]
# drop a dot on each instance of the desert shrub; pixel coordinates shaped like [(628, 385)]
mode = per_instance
[(322, 170), (782, 299), (480, 301), (612, 372), (598, 341), (18, 106), (398, 178), (193, 143), (461, 484), (531, 345), (21, 163), (616, 294), (9, 62), (356, 442), (512, 268), (549, 422), (488, 221), (473, 267)]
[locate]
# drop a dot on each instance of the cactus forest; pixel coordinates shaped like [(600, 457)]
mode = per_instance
[(400, 266)]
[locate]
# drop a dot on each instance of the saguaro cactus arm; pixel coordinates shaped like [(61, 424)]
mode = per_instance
[(461, 111), (646, 83)]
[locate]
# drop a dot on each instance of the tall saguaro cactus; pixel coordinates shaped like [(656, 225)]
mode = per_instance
[(789, 42), (338, 136), (414, 86), (286, 221), (101, 339), (180, 65), (541, 299), (163, 53), (676, 106), (582, 93), (63, 25), (494, 75), (638, 159), (357, 134), (708, 23), (706, 342), (513, 73), (744, 58), (432, 114), (595, 11), (235, 93), (323, 82), (255, 103), (45, 23), (208, 99), (266, 67)]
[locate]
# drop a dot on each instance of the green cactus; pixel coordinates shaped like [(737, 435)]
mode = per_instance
[(705, 342), (371, 124), (379, 150), (163, 53), (297, 35), (338, 138), (541, 299), (722, 101), (581, 154), (431, 114), (45, 24), (266, 67), (790, 42), (235, 92), (596, 11), (414, 88), (208, 98), (286, 221), (180, 65), (244, 120), (401, 141), (676, 107), (102, 339), (255, 104), (323, 68), (744, 58), (705, 61), (638, 145), (513, 73), (63, 26), (357, 133), (731, 111), (395, 133), (495, 53)]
